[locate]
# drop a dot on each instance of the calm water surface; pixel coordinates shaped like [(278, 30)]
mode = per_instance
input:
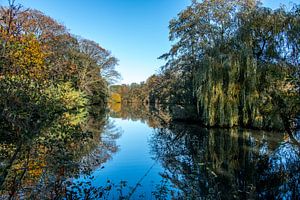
[(137, 153), (133, 163), (184, 161)]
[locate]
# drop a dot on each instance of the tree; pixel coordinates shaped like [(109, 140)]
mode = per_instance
[(103, 60), (225, 54)]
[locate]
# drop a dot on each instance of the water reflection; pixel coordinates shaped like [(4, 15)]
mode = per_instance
[(150, 115), (42, 166), (194, 162), (227, 164), (202, 163)]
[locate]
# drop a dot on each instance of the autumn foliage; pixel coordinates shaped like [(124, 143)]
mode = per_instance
[(49, 82), (47, 71)]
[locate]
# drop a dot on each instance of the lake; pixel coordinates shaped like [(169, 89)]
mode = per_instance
[(138, 153)]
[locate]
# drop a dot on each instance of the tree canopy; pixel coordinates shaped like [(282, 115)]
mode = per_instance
[(237, 62)]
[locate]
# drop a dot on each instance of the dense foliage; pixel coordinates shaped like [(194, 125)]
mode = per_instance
[(45, 71), (241, 60), (236, 62), (53, 95)]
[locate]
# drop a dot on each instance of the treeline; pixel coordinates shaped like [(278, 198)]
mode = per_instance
[(129, 93), (46, 72), (235, 61)]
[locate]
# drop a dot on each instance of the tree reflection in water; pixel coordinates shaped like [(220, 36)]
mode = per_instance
[(226, 164), (43, 166), (201, 163), (197, 163)]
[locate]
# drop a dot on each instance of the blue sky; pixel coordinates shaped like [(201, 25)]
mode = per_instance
[(135, 31)]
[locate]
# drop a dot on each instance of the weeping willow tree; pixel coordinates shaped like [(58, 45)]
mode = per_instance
[(241, 61)]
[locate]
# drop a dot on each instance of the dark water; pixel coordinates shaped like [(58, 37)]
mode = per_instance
[(137, 153)]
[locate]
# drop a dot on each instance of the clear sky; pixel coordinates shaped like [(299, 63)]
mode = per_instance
[(135, 31)]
